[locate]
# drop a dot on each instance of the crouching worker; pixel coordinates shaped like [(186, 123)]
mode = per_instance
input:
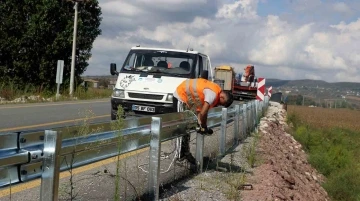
[(198, 95)]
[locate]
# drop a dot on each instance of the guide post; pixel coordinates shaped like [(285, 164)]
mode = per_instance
[(59, 76)]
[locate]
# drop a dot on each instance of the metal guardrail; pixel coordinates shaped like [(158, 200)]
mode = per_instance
[(25, 156)]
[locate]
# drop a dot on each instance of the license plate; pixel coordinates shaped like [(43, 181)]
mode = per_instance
[(143, 108)]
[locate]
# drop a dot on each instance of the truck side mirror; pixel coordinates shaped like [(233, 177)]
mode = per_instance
[(205, 74), (113, 69)]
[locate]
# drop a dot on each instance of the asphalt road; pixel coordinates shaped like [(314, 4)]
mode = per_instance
[(20, 117), (36, 116), (97, 181), (98, 185)]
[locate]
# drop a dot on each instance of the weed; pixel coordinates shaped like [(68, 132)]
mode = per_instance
[(117, 126), (82, 130), (333, 148), (250, 151), (324, 117), (235, 181), (344, 185)]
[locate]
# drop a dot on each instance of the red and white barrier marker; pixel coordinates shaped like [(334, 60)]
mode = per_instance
[(269, 91), (260, 95)]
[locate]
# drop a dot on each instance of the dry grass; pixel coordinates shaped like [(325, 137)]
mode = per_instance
[(353, 98), (326, 118)]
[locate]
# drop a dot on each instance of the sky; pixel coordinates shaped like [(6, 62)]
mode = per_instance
[(283, 39)]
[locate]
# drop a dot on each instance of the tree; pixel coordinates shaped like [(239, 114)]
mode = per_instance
[(35, 34)]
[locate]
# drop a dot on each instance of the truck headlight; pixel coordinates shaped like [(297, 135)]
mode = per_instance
[(118, 93), (169, 97)]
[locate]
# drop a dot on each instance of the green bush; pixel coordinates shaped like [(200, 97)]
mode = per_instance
[(308, 138), (329, 159), (334, 152), (344, 184), (292, 118)]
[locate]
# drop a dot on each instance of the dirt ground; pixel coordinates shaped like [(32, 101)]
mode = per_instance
[(285, 173), (280, 169)]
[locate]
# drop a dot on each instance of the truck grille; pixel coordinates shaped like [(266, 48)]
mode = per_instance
[(146, 96)]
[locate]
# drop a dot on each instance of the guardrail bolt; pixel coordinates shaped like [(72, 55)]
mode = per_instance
[(23, 172), (22, 140)]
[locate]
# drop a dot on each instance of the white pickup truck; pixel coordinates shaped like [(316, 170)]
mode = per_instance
[(149, 76)]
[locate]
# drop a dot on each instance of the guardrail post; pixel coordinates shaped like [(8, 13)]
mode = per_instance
[(199, 151), (253, 116), (244, 120), (236, 125), (223, 130), (248, 120), (256, 114), (51, 166), (154, 159)]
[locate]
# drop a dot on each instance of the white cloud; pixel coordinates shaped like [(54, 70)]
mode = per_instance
[(235, 33), (279, 42), (341, 7), (286, 72), (239, 9), (121, 8)]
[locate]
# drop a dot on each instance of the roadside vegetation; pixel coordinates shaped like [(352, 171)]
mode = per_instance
[(336, 103), (68, 189), (331, 137), (10, 93)]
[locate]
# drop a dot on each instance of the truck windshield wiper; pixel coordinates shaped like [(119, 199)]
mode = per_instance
[(134, 69), (167, 73)]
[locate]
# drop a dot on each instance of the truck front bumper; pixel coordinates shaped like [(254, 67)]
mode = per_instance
[(160, 108)]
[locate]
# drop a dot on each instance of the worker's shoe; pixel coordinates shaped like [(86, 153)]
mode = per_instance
[(205, 131), (189, 157)]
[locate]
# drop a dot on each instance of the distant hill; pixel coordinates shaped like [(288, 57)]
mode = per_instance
[(313, 83), (284, 83)]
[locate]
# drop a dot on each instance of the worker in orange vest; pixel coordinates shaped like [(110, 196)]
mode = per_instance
[(198, 95)]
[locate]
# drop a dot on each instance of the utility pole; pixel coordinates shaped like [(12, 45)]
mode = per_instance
[(73, 50), (303, 100)]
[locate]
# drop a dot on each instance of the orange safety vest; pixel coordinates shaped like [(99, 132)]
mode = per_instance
[(191, 92)]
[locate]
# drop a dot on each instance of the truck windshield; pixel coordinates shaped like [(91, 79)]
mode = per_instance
[(154, 61)]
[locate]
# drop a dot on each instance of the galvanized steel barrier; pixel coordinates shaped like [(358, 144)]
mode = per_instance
[(25, 156)]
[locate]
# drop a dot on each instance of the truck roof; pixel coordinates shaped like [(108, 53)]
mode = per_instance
[(166, 49)]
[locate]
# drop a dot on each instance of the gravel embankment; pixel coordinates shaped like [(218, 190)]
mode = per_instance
[(281, 170)]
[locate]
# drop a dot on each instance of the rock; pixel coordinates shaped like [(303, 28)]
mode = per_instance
[(286, 175), (280, 196), (314, 177), (34, 98), (290, 179)]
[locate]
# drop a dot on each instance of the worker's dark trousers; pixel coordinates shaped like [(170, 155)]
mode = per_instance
[(185, 142)]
